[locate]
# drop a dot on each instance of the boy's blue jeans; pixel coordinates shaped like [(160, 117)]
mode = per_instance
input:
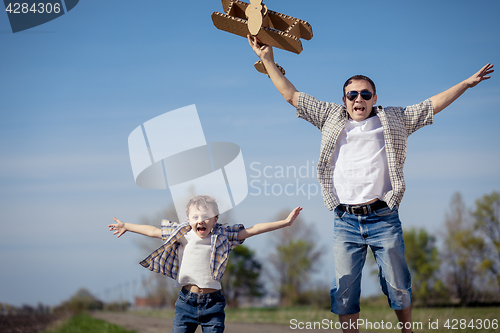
[(193, 309), (381, 230)]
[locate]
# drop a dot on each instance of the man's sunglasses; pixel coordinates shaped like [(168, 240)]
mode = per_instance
[(365, 94)]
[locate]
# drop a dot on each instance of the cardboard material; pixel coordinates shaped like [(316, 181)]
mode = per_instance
[(259, 66), (270, 27), (255, 13)]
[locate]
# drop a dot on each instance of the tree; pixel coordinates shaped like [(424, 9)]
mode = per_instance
[(295, 259), (241, 279), (487, 224), (82, 301), (462, 254), (423, 261)]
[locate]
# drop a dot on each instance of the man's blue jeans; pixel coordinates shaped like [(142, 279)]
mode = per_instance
[(193, 309), (381, 230)]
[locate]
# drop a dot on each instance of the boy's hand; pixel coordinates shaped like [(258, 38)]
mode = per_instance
[(118, 228), (293, 215)]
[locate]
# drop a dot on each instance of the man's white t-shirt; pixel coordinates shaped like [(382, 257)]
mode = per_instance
[(359, 163)]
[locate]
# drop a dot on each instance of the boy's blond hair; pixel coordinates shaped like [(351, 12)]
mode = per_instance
[(204, 201)]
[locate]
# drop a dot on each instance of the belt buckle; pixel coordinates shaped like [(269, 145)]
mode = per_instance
[(358, 210)]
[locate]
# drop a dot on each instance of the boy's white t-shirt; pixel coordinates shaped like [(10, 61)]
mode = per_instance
[(194, 262), (359, 162)]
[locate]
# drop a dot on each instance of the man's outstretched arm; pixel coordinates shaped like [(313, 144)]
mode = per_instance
[(285, 87), (442, 100)]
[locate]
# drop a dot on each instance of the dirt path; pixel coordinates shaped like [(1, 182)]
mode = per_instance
[(144, 324), (25, 323)]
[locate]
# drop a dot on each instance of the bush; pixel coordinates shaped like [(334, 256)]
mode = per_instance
[(82, 301)]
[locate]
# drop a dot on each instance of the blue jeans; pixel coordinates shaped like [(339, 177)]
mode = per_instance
[(193, 309), (352, 234)]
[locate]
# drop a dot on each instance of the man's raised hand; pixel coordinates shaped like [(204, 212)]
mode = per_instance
[(261, 50), (481, 75)]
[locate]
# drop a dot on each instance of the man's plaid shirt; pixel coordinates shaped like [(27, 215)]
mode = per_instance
[(166, 259), (398, 123)]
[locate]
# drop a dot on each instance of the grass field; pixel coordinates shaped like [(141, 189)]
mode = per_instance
[(381, 318), (375, 318), (84, 323)]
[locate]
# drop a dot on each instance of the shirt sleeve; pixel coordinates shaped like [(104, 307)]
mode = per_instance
[(418, 115), (314, 111), (166, 228), (231, 233)]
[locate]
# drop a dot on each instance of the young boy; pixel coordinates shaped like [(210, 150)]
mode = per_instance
[(195, 254)]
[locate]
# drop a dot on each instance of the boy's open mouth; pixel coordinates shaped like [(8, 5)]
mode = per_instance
[(201, 230)]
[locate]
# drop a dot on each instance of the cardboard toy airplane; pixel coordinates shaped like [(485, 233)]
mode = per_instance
[(270, 27)]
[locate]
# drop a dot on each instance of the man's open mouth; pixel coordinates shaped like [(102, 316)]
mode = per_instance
[(359, 109)]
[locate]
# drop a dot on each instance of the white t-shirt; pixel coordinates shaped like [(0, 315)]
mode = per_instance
[(359, 163), (194, 266)]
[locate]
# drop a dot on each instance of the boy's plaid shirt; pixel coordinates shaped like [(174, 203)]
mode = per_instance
[(398, 123), (165, 259)]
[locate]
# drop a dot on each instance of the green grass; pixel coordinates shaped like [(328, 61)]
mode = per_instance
[(84, 323), (459, 319)]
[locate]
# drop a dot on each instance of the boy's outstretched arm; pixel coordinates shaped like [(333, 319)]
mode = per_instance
[(269, 226), (120, 228), (285, 87), (442, 100)]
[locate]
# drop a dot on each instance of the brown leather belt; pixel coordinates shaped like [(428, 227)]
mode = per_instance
[(362, 209)]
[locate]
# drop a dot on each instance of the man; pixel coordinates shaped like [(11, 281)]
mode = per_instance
[(360, 170)]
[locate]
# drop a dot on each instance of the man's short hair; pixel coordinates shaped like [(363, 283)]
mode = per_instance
[(359, 77), (204, 201)]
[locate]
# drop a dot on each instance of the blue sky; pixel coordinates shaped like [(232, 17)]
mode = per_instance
[(74, 88)]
